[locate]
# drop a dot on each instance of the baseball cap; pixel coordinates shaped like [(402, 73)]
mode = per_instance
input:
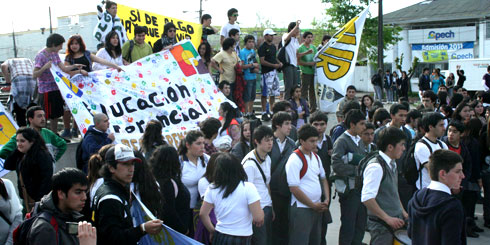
[(269, 32), (120, 154)]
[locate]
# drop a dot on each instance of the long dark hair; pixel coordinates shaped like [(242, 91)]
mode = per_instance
[(363, 107), (243, 140), (210, 168), (228, 174), (147, 186), (38, 146), (230, 113), (109, 47), (458, 110), (152, 136), (95, 163), (207, 54), (165, 164), (3, 190)]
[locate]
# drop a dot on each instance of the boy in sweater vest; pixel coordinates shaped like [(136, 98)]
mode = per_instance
[(379, 190)]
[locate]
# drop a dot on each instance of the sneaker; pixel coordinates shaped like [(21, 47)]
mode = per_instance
[(74, 132), (265, 117), (66, 134)]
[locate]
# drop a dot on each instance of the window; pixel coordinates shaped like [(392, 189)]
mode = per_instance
[(488, 29)]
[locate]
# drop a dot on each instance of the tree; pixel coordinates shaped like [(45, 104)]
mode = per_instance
[(341, 11)]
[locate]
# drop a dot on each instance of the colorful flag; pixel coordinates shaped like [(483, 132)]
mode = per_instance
[(8, 127)]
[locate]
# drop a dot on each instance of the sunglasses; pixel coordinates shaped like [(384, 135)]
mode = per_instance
[(235, 15), (172, 30)]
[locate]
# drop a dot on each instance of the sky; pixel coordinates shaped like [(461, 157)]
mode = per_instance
[(34, 14)]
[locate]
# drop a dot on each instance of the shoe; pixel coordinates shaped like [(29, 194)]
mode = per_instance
[(74, 132), (477, 229), (470, 233), (66, 134), (265, 117)]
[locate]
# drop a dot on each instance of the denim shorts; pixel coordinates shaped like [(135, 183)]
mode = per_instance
[(250, 90)]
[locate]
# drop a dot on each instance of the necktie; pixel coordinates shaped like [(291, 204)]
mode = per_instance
[(393, 166)]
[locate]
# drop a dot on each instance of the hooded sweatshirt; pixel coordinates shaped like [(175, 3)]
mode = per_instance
[(435, 217), (43, 233)]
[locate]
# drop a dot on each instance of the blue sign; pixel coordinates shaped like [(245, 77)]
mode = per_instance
[(441, 35)]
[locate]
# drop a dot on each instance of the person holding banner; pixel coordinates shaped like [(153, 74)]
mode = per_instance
[(112, 201), (136, 48), (49, 94), (236, 204), (109, 21), (111, 52), (168, 38)]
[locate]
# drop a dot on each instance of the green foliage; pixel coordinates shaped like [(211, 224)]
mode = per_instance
[(341, 11)]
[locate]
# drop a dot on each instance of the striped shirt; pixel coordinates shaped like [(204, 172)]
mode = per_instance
[(20, 67)]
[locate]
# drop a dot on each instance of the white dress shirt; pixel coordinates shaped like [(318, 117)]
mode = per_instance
[(281, 144), (438, 186), (356, 138), (373, 175)]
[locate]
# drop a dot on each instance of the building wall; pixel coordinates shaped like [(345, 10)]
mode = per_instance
[(30, 42)]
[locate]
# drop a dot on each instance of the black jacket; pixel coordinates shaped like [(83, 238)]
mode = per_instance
[(36, 175), (112, 215), (92, 142), (424, 82), (436, 217)]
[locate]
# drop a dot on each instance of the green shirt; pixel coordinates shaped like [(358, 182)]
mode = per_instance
[(307, 58), (139, 51), (55, 144)]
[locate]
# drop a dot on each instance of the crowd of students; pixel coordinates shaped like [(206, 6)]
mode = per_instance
[(235, 181)]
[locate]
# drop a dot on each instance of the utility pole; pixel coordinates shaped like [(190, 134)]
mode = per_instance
[(380, 35), (50, 25), (200, 10), (13, 38)]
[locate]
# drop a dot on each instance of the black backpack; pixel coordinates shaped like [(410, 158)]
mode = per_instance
[(409, 168), (21, 233), (129, 57), (282, 55), (79, 154), (375, 79), (362, 166)]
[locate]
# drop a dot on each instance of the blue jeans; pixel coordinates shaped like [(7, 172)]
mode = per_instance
[(389, 95), (378, 92)]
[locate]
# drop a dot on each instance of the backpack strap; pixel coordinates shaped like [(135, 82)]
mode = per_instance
[(52, 221), (129, 57), (260, 169), (304, 168)]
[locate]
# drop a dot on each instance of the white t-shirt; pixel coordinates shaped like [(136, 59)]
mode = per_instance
[(233, 214), (202, 186), (309, 184), (422, 154), (291, 49), (102, 53), (191, 174), (255, 177), (225, 30)]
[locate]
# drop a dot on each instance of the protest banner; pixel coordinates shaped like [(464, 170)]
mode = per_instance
[(168, 236), (336, 62), (172, 86), (8, 127), (131, 17)]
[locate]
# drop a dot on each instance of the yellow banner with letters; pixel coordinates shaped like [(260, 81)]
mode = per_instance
[(336, 62), (130, 17)]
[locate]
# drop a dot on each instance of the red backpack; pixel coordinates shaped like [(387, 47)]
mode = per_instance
[(21, 233)]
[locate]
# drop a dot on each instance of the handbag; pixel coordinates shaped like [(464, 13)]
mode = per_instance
[(282, 55)]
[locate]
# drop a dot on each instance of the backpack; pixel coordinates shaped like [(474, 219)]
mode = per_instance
[(282, 56), (375, 79), (79, 153), (359, 179), (409, 168), (128, 57), (21, 233)]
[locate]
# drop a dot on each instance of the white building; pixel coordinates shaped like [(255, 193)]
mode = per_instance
[(30, 42), (437, 31)]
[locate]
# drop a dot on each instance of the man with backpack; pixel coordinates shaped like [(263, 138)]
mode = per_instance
[(257, 165), (282, 147), (55, 218), (94, 139), (434, 128), (377, 82), (337, 130), (348, 150), (137, 48), (379, 187), (306, 179)]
